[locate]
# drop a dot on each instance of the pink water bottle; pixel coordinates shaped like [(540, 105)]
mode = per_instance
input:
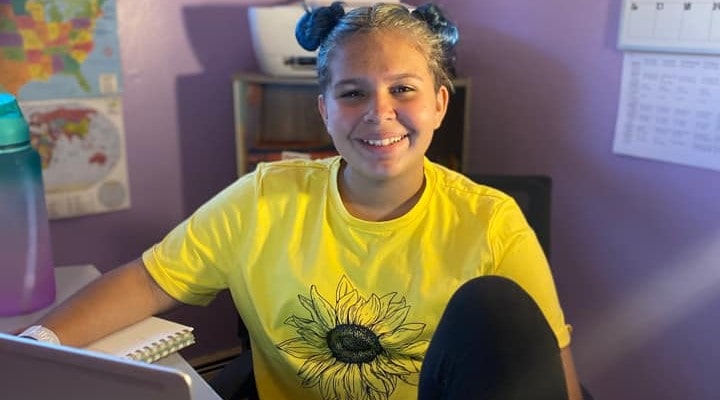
[(27, 278)]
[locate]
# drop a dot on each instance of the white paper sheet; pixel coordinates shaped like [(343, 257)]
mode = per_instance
[(669, 109)]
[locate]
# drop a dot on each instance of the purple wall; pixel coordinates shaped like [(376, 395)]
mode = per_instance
[(636, 242)]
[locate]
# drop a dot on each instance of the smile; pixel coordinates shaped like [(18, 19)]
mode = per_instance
[(384, 142)]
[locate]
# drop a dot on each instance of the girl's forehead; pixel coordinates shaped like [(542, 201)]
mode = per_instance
[(378, 56), (377, 47)]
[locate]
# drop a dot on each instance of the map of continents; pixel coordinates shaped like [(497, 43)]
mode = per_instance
[(79, 143), (58, 48)]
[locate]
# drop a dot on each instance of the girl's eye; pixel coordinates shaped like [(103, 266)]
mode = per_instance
[(350, 94), (402, 89)]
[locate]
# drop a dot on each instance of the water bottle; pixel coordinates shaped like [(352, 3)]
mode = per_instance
[(27, 275)]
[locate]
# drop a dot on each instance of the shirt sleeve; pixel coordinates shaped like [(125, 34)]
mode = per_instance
[(192, 262), (520, 258)]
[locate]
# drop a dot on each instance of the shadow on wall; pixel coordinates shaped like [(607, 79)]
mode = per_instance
[(220, 38)]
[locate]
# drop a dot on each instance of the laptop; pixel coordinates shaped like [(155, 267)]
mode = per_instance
[(32, 370)]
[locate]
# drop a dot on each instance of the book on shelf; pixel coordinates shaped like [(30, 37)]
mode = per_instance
[(148, 340)]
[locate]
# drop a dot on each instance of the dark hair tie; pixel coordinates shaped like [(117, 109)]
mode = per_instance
[(316, 25)]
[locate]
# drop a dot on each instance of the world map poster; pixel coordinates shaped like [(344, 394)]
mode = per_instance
[(83, 154), (61, 59)]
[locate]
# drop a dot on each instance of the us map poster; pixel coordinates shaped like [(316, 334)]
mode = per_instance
[(61, 59)]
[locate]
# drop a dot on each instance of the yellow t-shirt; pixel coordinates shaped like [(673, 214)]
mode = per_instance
[(338, 307)]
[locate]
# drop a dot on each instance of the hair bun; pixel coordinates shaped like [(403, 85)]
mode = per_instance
[(433, 16), (316, 25)]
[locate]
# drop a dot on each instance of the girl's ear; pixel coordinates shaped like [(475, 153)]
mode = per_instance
[(441, 104), (322, 109)]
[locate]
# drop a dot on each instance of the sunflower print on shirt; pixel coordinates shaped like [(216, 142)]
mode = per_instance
[(357, 348)]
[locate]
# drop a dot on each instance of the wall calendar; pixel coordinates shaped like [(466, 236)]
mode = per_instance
[(670, 26)]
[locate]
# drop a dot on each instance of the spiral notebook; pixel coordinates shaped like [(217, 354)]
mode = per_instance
[(148, 340)]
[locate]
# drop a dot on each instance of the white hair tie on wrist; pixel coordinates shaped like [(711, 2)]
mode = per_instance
[(41, 334)]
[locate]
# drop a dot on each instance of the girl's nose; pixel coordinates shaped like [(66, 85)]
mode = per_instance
[(380, 108)]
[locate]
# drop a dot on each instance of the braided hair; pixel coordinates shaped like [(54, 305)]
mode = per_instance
[(324, 28)]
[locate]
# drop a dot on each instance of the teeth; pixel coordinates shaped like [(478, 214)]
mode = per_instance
[(384, 142)]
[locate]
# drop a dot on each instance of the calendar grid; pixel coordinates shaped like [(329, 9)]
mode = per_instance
[(670, 26)]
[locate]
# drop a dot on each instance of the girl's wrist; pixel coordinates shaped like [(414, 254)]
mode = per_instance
[(41, 334)]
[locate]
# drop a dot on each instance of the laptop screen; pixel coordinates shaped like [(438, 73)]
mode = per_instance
[(31, 370)]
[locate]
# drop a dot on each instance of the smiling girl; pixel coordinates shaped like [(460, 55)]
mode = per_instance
[(376, 274)]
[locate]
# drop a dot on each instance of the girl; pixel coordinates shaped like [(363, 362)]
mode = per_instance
[(345, 269)]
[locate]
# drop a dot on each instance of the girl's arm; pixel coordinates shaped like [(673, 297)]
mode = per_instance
[(117, 299)]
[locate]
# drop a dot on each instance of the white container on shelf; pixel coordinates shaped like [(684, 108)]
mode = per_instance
[(272, 29)]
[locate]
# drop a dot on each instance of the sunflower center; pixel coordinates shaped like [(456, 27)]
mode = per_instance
[(353, 344)]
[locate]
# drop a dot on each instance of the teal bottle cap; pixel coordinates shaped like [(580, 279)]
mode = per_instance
[(13, 128)]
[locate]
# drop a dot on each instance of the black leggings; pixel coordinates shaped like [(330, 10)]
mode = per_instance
[(492, 343)]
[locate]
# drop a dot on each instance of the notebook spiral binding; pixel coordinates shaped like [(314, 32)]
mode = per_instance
[(163, 347)]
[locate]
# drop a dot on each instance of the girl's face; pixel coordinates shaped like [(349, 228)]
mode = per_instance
[(381, 107)]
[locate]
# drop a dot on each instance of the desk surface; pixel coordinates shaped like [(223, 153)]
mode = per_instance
[(69, 280)]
